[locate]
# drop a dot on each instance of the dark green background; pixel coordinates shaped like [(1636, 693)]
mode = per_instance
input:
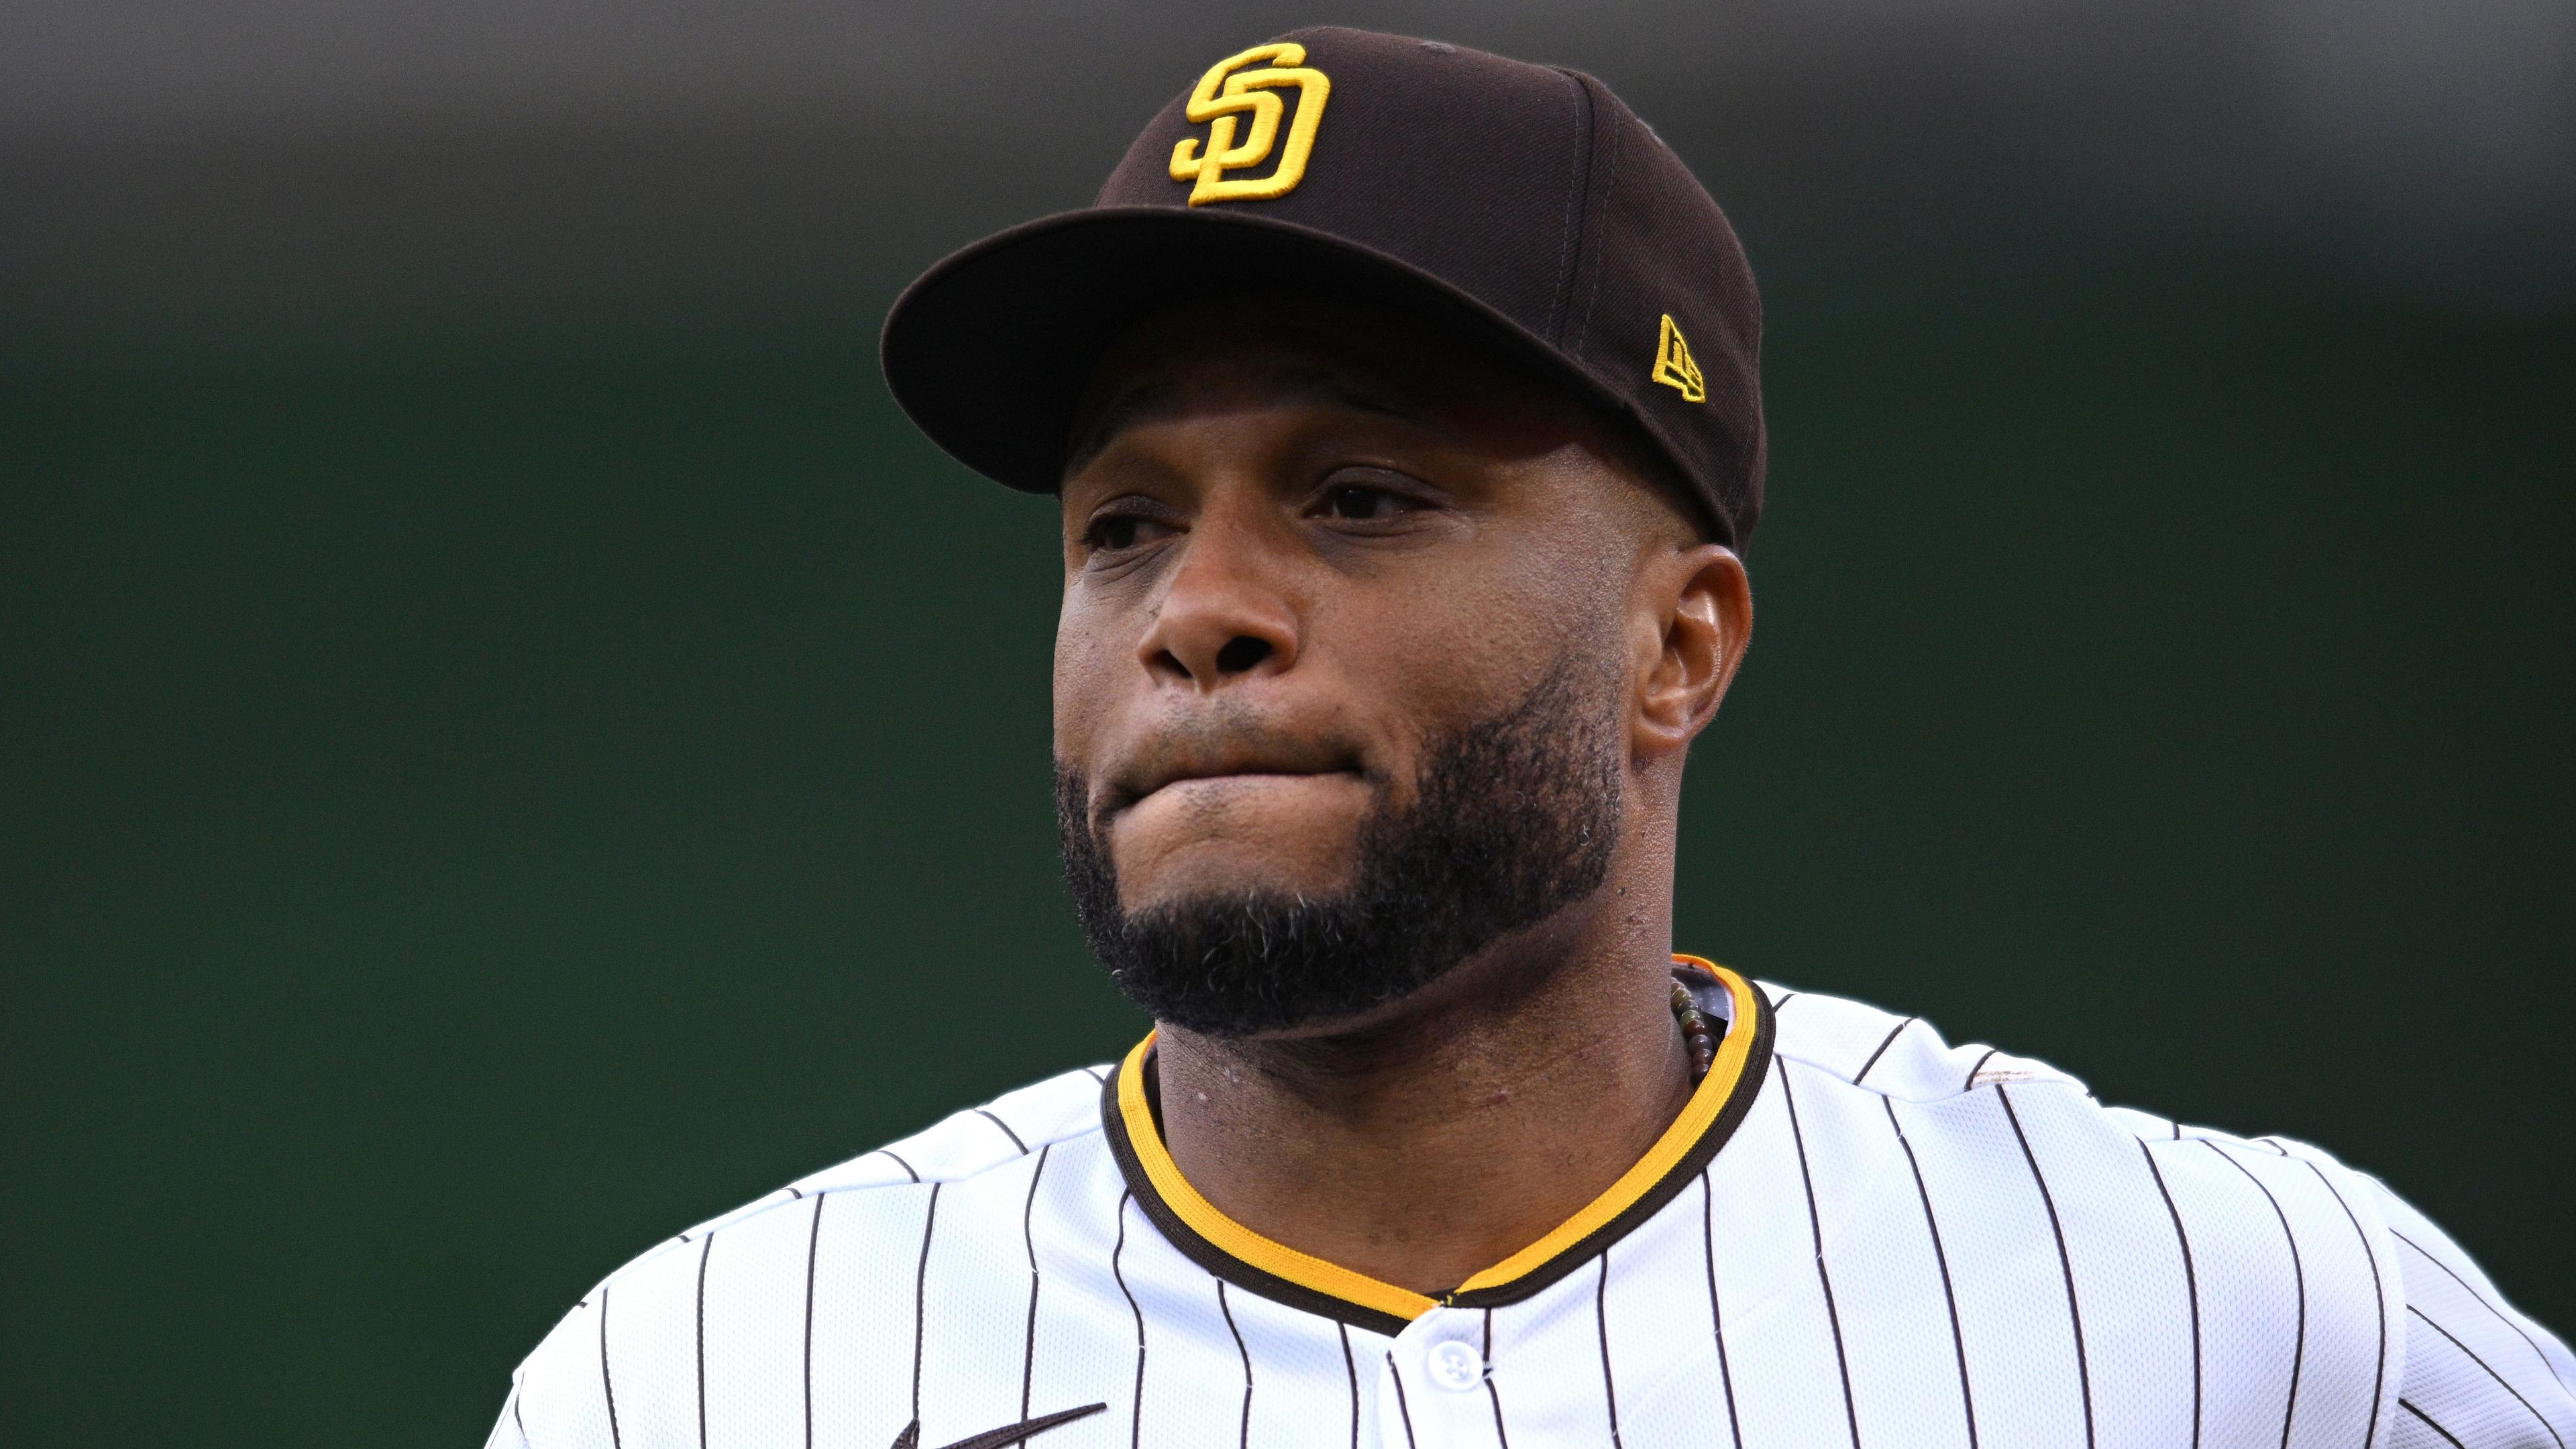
[(474, 810)]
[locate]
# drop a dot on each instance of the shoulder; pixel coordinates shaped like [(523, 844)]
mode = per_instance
[(2010, 1136), (965, 1145), (1850, 1047), (875, 1210), (2307, 1287), (2478, 1370), (1903, 1057)]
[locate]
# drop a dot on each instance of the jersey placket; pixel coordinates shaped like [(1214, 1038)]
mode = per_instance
[(1435, 1385)]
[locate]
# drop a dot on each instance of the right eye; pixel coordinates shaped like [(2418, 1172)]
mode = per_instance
[(1117, 531)]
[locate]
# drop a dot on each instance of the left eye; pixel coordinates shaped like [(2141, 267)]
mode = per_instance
[(1363, 504)]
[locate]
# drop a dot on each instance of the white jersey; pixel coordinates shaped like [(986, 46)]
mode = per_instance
[(1855, 1235)]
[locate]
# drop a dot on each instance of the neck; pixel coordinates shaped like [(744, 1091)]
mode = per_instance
[(1459, 1126)]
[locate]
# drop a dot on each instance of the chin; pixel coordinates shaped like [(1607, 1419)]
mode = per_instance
[(1288, 835), (1220, 870)]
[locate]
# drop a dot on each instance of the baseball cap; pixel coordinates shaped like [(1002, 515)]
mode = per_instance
[(1523, 205)]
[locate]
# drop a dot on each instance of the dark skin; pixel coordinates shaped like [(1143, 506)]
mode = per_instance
[(1300, 538)]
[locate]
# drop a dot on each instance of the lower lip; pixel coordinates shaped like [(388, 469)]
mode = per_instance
[(1249, 780)]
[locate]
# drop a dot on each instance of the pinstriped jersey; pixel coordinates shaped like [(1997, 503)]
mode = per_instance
[(1855, 1235)]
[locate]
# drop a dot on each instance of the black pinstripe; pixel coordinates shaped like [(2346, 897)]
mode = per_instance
[(2447, 1436), (813, 1242), (1601, 1322), (2298, 1274), (1136, 1414), (1716, 1320), (899, 1162), (1970, 1080), (2378, 1295), (1243, 1436), (2501, 1316), (607, 1381), (1816, 1226), (1401, 1411), (2491, 1373), (1351, 1366), (1006, 1129), (1028, 1238), (920, 1298), (2191, 1292), (1491, 1392), (1958, 1338), (2074, 1311), (1888, 1041), (706, 1250)]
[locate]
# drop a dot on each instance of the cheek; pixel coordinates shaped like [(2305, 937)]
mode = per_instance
[(1084, 675), (1436, 660)]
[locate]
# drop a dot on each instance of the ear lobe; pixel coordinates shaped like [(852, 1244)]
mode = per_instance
[(1703, 604)]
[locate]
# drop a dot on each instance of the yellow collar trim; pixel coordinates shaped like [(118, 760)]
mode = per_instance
[(1305, 1270)]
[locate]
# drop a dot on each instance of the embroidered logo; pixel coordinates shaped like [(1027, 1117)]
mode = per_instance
[(1004, 1437), (1673, 365), (1232, 90)]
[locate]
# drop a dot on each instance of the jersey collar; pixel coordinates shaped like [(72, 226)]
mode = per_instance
[(1248, 1260)]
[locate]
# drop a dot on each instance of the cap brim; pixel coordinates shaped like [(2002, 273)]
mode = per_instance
[(990, 350)]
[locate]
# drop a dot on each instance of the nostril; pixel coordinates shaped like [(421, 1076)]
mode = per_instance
[(1241, 653)]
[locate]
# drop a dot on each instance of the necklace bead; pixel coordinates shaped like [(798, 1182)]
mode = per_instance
[(1697, 1033)]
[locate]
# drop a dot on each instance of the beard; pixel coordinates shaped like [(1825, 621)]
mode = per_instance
[(1512, 819)]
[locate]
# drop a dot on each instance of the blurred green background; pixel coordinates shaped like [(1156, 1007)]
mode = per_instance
[(518, 748)]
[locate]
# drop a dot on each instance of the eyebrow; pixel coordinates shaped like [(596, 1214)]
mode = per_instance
[(1149, 400)]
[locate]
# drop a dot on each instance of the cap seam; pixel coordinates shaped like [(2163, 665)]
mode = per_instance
[(1569, 263), (1609, 187)]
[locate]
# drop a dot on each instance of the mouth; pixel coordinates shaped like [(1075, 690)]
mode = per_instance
[(1184, 772), (1241, 778)]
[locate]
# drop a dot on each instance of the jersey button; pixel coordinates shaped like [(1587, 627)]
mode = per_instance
[(1456, 1367)]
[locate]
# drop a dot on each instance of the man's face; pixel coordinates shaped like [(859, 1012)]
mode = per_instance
[(1342, 671)]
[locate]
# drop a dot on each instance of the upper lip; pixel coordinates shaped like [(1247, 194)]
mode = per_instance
[(1171, 761)]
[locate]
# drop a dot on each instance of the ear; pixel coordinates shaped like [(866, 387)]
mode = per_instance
[(1696, 606)]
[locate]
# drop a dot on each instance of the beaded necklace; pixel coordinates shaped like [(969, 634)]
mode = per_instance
[(1696, 1032)]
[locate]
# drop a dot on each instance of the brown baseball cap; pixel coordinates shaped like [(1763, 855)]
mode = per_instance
[(1522, 204)]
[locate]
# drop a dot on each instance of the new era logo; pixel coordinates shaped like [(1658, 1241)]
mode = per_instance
[(1673, 365)]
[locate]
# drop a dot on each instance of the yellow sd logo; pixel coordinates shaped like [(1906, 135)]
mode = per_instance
[(1227, 92)]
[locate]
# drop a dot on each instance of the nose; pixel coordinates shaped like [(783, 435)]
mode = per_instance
[(1224, 618)]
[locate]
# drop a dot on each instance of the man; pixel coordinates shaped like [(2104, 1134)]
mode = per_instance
[(1402, 403)]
